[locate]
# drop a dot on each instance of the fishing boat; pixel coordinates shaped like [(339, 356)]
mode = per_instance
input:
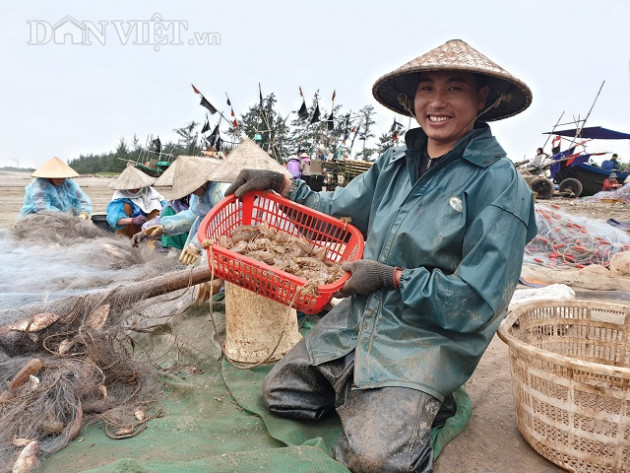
[(572, 170)]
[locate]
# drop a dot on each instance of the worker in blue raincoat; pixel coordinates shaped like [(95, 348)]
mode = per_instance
[(191, 177), (54, 190), (134, 202), (445, 218)]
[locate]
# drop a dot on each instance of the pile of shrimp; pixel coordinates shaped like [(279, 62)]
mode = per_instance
[(292, 254)]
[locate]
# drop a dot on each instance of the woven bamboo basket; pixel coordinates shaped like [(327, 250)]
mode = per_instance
[(570, 364)]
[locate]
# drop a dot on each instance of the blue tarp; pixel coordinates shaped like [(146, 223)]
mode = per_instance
[(593, 133), (581, 158)]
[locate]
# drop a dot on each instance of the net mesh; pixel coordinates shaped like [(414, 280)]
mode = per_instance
[(68, 355)]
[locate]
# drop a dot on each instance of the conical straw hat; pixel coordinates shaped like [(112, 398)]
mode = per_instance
[(397, 89), (191, 172), (247, 155), (131, 178), (55, 168), (166, 178)]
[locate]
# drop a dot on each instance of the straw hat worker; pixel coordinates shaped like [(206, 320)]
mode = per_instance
[(54, 190), (445, 219), (134, 201), (192, 176)]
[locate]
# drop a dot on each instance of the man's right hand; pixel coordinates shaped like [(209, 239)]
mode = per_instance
[(256, 180)]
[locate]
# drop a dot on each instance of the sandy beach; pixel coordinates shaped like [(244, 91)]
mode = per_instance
[(491, 442)]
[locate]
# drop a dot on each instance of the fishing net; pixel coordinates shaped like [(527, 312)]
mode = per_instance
[(56, 228), (565, 240), (68, 350), (53, 255), (619, 195)]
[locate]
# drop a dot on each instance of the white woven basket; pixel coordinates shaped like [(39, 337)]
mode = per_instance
[(570, 363)]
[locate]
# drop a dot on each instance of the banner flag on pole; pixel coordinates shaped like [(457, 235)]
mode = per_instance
[(208, 105), (315, 118), (206, 127), (303, 111), (331, 123)]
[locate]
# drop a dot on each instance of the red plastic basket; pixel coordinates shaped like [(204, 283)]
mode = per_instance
[(342, 241)]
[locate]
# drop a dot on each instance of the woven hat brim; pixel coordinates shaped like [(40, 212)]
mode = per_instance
[(386, 91), (55, 168), (247, 155), (404, 80), (166, 178), (131, 178), (191, 172)]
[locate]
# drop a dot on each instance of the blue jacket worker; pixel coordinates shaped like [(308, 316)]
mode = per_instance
[(134, 202), (54, 190)]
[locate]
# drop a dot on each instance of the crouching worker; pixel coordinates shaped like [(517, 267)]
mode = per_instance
[(191, 177), (164, 242), (445, 220), (54, 190), (134, 202)]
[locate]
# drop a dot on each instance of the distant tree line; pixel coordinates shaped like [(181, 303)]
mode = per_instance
[(336, 132)]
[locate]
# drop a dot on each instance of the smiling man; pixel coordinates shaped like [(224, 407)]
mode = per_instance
[(446, 105), (445, 219)]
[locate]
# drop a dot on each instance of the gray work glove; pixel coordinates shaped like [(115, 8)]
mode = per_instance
[(367, 276), (137, 238), (138, 220), (256, 179), (151, 232)]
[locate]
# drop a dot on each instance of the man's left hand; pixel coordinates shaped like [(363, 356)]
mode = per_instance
[(367, 276)]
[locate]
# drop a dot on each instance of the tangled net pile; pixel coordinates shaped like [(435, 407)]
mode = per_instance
[(622, 195), (74, 361), (56, 228), (566, 240)]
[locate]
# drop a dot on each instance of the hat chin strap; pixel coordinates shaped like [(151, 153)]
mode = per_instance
[(503, 97), (405, 102)]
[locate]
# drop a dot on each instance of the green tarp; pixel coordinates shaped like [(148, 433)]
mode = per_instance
[(213, 419)]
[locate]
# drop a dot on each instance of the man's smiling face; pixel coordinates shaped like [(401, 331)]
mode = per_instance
[(446, 104)]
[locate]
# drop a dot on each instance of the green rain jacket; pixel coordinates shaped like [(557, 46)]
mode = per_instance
[(459, 232)]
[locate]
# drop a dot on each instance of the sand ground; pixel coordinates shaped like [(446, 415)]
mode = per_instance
[(491, 443)]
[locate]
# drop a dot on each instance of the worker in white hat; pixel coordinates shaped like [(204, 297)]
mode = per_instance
[(54, 190), (445, 219), (134, 202)]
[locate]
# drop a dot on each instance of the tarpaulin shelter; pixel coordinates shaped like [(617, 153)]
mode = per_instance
[(592, 133), (571, 168)]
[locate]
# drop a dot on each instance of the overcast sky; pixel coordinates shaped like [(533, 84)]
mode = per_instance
[(63, 99)]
